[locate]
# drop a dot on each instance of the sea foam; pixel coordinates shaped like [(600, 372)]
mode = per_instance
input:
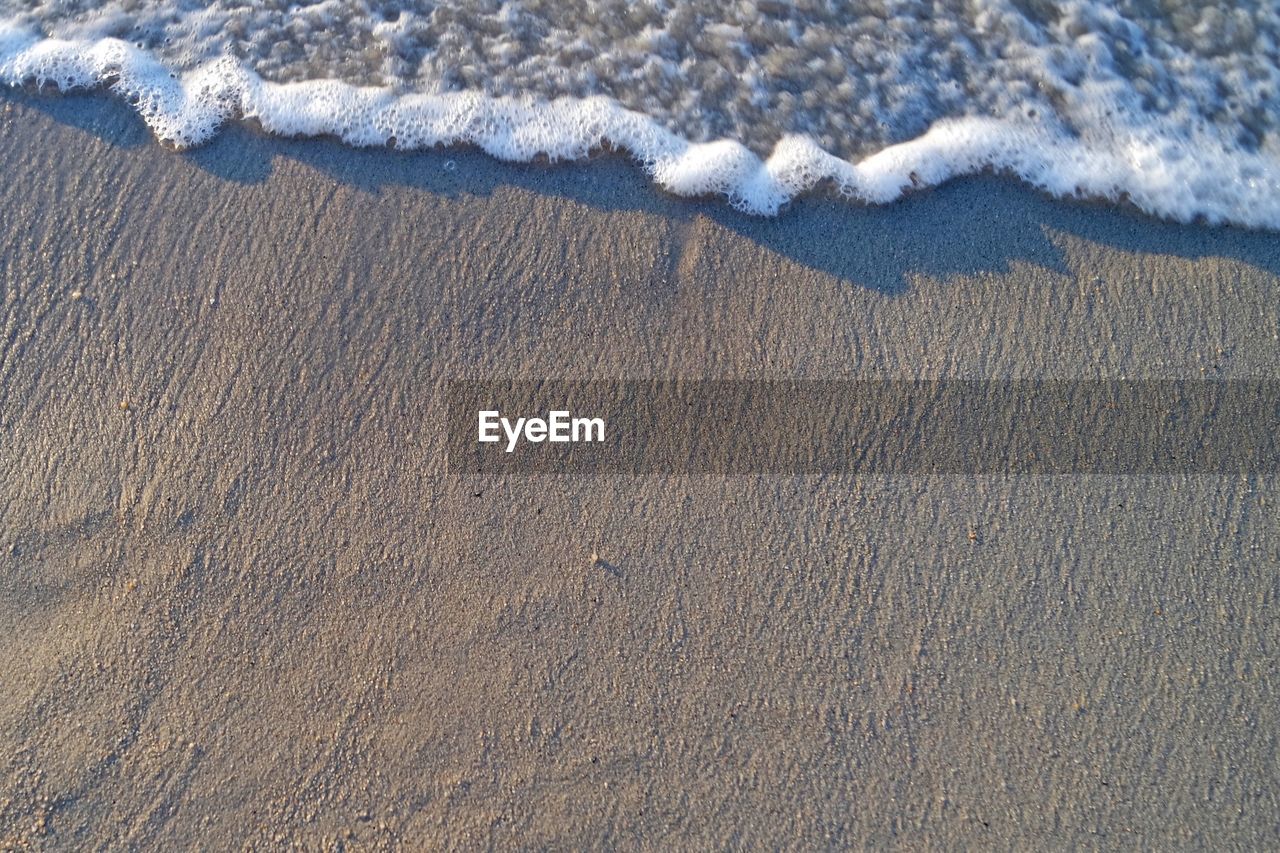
[(1185, 171)]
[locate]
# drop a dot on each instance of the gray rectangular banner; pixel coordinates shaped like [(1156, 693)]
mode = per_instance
[(863, 426)]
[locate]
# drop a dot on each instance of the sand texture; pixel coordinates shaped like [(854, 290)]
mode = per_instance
[(243, 602)]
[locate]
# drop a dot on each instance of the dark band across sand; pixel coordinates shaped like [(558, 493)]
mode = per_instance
[(243, 601)]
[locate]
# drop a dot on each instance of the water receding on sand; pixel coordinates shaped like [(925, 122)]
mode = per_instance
[(1173, 106)]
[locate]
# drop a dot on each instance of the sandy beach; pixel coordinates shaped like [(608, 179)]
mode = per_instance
[(245, 603)]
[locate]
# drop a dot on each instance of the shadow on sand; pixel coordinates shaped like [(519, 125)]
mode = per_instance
[(969, 226)]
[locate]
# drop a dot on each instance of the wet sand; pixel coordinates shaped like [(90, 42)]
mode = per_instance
[(244, 602)]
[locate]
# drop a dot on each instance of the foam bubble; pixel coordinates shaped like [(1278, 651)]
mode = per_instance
[(1183, 172)]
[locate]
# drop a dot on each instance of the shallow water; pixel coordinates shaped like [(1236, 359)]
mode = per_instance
[(1171, 105)]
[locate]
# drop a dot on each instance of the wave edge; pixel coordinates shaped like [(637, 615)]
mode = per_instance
[(1174, 176)]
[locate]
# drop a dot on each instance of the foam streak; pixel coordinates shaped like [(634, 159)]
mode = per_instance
[(1171, 176)]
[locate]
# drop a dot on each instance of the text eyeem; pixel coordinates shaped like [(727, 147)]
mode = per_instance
[(558, 427)]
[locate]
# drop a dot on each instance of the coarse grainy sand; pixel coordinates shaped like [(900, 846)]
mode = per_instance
[(244, 602)]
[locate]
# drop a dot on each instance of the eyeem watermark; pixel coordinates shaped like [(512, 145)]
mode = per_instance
[(873, 427), (559, 427)]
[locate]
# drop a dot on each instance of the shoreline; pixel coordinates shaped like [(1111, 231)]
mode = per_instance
[(187, 112)]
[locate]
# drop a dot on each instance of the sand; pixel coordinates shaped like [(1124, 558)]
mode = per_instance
[(243, 601)]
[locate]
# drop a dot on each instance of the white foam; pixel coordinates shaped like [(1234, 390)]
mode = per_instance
[(1165, 171)]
